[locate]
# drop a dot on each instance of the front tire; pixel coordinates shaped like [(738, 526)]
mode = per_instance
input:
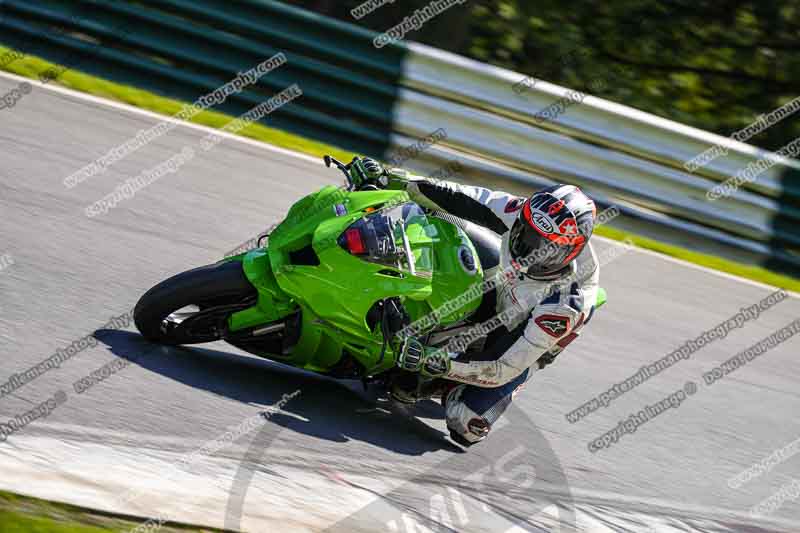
[(192, 307)]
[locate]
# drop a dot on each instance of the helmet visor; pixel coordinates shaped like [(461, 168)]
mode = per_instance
[(537, 254)]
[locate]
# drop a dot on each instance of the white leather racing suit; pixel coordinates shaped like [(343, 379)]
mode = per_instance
[(544, 315)]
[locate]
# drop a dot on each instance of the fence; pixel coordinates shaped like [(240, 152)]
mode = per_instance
[(375, 101), (184, 49)]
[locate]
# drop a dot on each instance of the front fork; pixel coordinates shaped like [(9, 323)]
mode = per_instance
[(272, 304)]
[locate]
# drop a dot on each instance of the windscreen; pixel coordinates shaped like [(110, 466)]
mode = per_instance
[(400, 236)]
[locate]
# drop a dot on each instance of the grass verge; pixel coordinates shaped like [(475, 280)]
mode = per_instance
[(32, 67), (21, 514), (754, 273)]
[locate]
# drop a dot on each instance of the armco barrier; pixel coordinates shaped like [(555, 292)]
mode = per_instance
[(620, 153), (375, 100), (616, 126), (566, 159)]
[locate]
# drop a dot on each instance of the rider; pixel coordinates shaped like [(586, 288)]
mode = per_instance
[(547, 285)]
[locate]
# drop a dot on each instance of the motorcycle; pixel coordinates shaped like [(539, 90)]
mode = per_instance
[(334, 287)]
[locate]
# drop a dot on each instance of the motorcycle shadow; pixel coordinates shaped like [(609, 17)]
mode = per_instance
[(297, 400)]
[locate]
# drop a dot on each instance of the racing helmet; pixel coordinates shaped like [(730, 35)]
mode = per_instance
[(551, 230)]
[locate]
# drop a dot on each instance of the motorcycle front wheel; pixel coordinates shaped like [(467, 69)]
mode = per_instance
[(193, 307)]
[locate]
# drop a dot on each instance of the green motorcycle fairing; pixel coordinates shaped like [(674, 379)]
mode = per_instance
[(307, 266)]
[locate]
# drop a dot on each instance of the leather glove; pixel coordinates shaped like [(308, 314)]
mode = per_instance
[(416, 357), (365, 171)]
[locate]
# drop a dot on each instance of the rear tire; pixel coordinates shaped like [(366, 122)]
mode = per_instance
[(215, 290)]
